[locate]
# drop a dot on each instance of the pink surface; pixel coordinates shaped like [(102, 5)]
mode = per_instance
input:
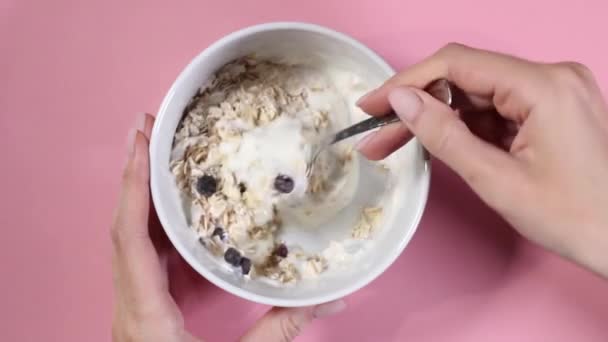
[(74, 73)]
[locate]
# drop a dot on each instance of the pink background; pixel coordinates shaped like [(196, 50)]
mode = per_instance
[(74, 73)]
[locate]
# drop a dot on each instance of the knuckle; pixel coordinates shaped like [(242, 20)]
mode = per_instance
[(116, 235), (452, 48), (124, 236), (581, 70), (133, 334), (471, 177), (502, 97), (475, 176), (289, 328), (127, 173), (448, 55), (573, 80), (572, 74), (121, 235), (449, 131), (135, 173), (127, 332)]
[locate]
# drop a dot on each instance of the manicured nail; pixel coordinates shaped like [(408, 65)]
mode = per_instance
[(140, 122), (364, 97), (366, 139), (406, 103), (131, 142), (329, 309)]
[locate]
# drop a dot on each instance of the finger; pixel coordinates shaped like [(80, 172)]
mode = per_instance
[(131, 217), (147, 125), (379, 145), (419, 75), (480, 74), (284, 324), (138, 275), (483, 166), (158, 237), (490, 127)]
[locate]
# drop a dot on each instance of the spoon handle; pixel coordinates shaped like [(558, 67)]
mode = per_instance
[(364, 126), (439, 89)]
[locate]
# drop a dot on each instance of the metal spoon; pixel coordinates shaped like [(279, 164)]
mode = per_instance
[(439, 89)]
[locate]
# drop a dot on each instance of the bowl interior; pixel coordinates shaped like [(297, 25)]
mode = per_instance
[(406, 198)]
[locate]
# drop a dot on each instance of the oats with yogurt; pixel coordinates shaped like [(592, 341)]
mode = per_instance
[(239, 158)]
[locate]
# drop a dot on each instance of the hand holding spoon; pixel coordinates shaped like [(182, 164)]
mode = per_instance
[(439, 89)]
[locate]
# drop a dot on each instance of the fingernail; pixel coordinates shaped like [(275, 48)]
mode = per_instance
[(140, 122), (406, 103), (366, 139), (364, 97), (131, 142), (329, 309)]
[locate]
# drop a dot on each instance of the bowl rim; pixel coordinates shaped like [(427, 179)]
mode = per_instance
[(163, 216)]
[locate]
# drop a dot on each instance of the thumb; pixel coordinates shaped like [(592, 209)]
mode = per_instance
[(445, 136), (131, 216), (285, 324)]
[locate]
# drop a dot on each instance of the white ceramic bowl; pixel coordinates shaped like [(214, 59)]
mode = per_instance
[(402, 212)]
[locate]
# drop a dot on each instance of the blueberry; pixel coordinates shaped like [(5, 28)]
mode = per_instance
[(281, 251), (233, 257), (206, 185), (242, 187), (284, 184), (245, 265), (219, 232)]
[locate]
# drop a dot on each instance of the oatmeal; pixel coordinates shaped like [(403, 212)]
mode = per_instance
[(367, 222), (239, 157)]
